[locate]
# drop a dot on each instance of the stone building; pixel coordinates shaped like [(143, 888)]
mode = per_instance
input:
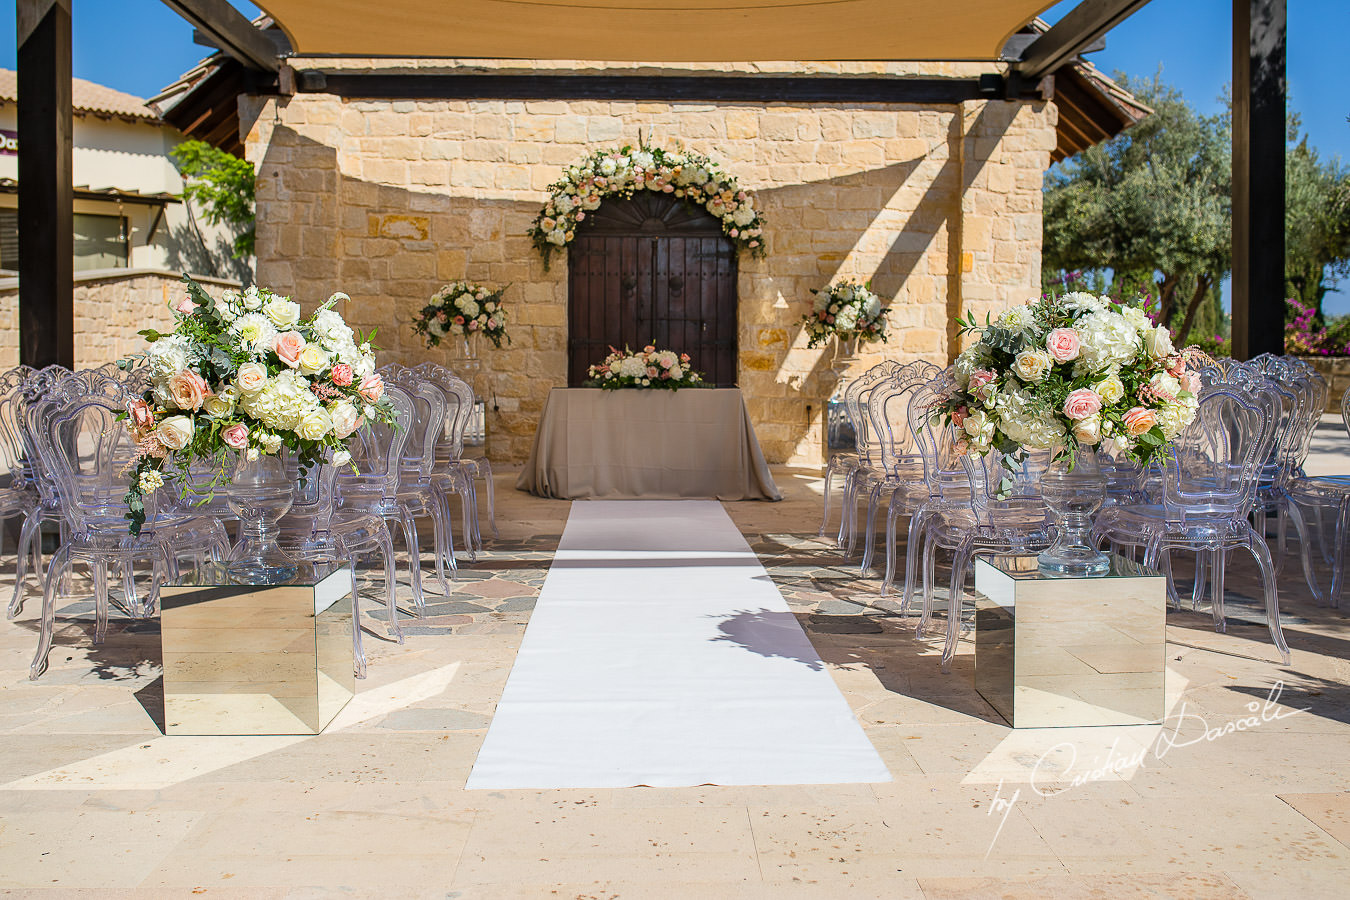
[(936, 202)]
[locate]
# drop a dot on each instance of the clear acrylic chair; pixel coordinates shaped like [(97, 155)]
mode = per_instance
[(890, 408), (1006, 516), (378, 488), (19, 496), (461, 410), (873, 479), (1209, 490), (81, 445), (855, 406), (1328, 496)]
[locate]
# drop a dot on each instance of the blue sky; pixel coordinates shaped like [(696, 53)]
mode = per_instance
[(1189, 39)]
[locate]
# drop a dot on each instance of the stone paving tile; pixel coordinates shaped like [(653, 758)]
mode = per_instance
[(379, 809)]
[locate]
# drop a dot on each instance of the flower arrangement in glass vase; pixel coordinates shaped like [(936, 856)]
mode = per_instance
[(847, 309), (463, 309), (247, 375), (647, 368), (622, 171), (1066, 374)]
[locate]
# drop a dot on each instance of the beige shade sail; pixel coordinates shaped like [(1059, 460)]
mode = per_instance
[(655, 30)]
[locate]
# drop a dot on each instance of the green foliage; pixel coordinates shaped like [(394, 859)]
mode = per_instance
[(1152, 203), (1317, 223), (223, 184)]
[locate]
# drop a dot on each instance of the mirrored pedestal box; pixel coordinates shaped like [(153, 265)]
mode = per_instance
[(1052, 650), (250, 659)]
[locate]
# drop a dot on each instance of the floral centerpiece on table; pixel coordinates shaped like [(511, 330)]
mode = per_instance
[(462, 309), (1070, 371), (847, 309), (247, 374), (622, 171), (647, 368)]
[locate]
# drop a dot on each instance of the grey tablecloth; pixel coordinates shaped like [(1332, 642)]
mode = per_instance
[(655, 445)]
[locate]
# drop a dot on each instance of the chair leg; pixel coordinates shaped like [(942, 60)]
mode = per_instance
[(48, 621), (954, 604), (1198, 588), (100, 567), (442, 544), (1258, 547), (825, 511), (870, 541), (1342, 538), (386, 542), (918, 533), (414, 563), (1216, 589), (490, 489), (929, 569), (892, 511), (1291, 512), (32, 523), (848, 512), (358, 647)]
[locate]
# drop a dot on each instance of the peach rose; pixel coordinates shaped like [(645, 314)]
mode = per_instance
[(1190, 382), (1139, 420), (1082, 403), (188, 390), (236, 436), (288, 346), (341, 375), (1062, 344), (372, 387), (142, 417), (251, 378)]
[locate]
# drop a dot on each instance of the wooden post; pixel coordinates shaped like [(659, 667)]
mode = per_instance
[(46, 201), (1258, 177)]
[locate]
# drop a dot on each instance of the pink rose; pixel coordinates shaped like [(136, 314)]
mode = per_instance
[(441, 316), (188, 390), (341, 375), (1139, 420), (473, 325), (1190, 382), (1175, 365), (979, 378), (185, 306), (491, 324), (142, 417), (236, 436), (372, 387), (1082, 403), (1062, 344), (288, 346), (651, 371)]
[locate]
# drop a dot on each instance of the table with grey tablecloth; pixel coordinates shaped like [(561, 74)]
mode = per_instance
[(648, 444)]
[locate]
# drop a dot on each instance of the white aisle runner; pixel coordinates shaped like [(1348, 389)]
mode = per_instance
[(660, 653)]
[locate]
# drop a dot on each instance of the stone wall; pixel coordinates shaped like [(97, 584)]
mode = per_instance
[(111, 306), (1336, 370), (387, 200)]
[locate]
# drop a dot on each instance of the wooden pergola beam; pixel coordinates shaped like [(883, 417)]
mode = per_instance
[(1081, 27), (1258, 177), (46, 193), (230, 31)]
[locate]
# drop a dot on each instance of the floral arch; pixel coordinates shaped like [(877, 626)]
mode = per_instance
[(623, 171)]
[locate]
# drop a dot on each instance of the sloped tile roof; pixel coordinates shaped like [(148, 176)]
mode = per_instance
[(91, 98)]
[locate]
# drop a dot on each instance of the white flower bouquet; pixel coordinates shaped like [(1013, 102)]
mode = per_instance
[(246, 374), (647, 368), (847, 309), (622, 171), (1070, 371), (463, 308)]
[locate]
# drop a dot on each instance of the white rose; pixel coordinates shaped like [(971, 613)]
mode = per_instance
[(1136, 317), (252, 300), (251, 378), (283, 313), (313, 360), (1032, 365), (1111, 389), (1165, 385), (743, 216), (345, 417), (314, 424), (1088, 431), (341, 457), (1158, 342), (175, 432), (221, 405)]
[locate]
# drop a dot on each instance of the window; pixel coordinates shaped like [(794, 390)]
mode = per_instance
[(100, 242), (9, 239)]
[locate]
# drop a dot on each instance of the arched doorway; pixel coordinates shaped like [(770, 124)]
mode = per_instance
[(652, 269)]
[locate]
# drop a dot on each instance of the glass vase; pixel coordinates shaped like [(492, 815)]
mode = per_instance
[(260, 493), (845, 356), (1072, 495)]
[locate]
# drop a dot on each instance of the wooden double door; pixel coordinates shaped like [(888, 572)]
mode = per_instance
[(652, 270)]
